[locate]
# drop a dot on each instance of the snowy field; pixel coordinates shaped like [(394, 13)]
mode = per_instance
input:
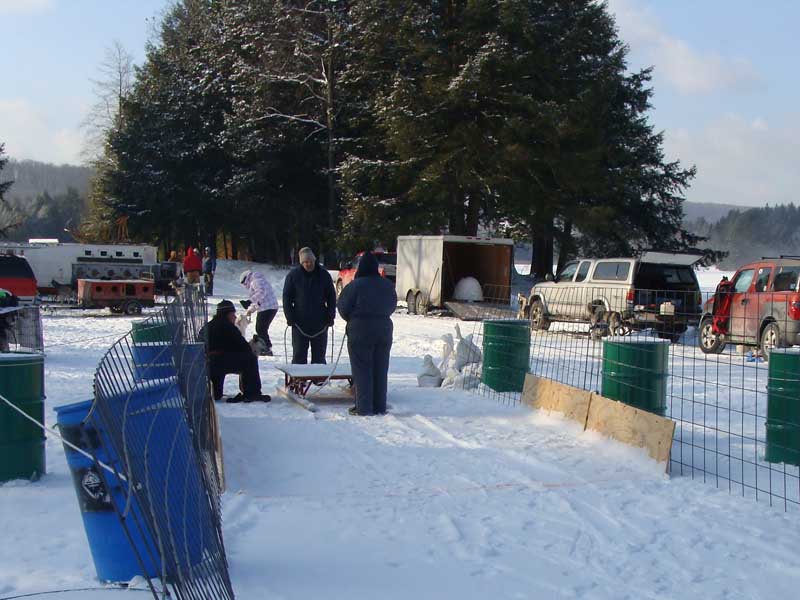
[(450, 495)]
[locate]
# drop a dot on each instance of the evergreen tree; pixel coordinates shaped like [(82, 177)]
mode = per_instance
[(4, 185)]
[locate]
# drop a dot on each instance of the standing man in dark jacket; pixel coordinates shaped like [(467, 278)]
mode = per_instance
[(209, 267), (229, 352), (309, 303), (367, 305)]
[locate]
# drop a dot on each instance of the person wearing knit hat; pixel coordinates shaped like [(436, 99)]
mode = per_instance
[(229, 352), (367, 305), (309, 304), (262, 301)]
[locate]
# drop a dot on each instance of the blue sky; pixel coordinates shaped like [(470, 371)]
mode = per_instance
[(725, 85)]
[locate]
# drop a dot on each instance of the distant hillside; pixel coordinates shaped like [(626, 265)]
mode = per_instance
[(32, 178), (749, 234), (708, 211)]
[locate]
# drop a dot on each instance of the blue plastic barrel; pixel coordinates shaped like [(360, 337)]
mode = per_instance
[(161, 453), (190, 363), (152, 361), (98, 492)]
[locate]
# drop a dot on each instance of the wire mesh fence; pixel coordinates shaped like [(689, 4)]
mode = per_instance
[(21, 330), (719, 365), (153, 403)]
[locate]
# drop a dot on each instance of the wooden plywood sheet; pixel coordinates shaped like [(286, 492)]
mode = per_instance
[(632, 426), (549, 395)]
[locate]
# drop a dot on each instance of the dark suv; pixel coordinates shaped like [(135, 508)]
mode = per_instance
[(759, 306)]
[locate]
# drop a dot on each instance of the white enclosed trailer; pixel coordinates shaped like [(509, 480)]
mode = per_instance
[(59, 265), (430, 266)]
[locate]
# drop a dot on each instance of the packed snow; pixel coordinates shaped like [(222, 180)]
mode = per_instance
[(450, 495)]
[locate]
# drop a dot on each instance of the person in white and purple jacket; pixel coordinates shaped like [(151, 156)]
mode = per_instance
[(262, 301)]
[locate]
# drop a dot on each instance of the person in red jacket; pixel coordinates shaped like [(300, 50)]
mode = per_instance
[(192, 265)]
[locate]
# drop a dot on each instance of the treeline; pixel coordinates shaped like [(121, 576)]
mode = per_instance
[(748, 235), (267, 125), (41, 200), (32, 178)]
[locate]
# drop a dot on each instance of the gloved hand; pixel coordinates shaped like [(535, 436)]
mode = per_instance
[(250, 310)]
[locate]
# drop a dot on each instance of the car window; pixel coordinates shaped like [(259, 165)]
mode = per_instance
[(786, 279), (583, 271), (567, 272), (742, 282), (612, 271), (763, 278)]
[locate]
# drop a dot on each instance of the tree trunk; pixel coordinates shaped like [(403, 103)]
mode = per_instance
[(473, 214), (566, 245), (329, 115), (542, 240), (456, 220)]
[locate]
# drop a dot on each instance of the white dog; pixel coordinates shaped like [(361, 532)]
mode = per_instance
[(257, 345), (242, 323)]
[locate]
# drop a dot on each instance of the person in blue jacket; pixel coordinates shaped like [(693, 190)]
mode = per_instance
[(367, 305), (309, 304)]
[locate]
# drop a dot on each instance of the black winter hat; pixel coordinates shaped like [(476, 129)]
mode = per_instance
[(225, 306), (367, 266)]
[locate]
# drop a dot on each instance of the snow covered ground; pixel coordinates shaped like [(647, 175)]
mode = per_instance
[(451, 495)]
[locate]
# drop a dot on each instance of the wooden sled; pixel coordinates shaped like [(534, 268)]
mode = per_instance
[(301, 381)]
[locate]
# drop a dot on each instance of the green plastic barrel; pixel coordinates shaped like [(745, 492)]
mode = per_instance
[(635, 372), (149, 332), (506, 354), (21, 441), (783, 407)]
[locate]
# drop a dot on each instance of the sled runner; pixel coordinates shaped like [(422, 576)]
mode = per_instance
[(300, 379)]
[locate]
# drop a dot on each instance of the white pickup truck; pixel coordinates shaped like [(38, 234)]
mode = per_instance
[(658, 290)]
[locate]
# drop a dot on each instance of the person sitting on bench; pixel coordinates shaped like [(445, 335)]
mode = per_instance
[(229, 352)]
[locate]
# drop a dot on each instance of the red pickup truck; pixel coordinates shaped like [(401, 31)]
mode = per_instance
[(387, 267)]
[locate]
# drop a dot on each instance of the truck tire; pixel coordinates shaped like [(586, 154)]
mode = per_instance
[(709, 342), (133, 307), (539, 321), (770, 339), (411, 302)]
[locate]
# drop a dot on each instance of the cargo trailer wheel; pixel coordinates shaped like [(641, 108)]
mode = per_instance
[(411, 302), (422, 305), (133, 307), (710, 342)]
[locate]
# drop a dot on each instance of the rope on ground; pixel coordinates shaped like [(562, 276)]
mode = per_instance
[(66, 443)]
